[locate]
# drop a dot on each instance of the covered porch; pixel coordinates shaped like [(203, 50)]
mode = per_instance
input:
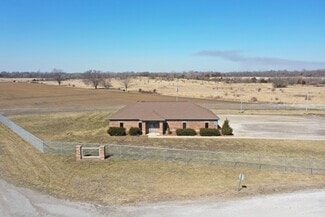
[(157, 127)]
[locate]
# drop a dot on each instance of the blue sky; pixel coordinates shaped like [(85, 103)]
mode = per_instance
[(143, 35)]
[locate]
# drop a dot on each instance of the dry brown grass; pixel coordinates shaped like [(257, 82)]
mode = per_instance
[(263, 92), (116, 181), (229, 92)]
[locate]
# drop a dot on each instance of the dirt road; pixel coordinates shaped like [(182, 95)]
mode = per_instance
[(302, 204), (24, 202), (16, 201)]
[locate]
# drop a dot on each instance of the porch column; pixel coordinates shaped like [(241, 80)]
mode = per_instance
[(144, 128), (160, 127)]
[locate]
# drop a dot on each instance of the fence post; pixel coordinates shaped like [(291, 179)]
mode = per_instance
[(164, 155), (285, 163), (141, 153), (120, 151), (310, 166)]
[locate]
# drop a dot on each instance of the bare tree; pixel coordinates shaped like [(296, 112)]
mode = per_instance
[(58, 75), (93, 77), (126, 82), (106, 83)]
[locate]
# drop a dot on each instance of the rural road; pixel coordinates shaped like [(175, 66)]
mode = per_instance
[(15, 201)]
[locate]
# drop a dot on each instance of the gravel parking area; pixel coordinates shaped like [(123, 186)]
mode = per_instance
[(277, 126)]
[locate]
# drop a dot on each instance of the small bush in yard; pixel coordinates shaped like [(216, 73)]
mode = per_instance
[(226, 129), (116, 131), (209, 132), (185, 132), (135, 131)]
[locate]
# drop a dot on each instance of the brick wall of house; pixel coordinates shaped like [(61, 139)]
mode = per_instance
[(196, 125), (173, 125)]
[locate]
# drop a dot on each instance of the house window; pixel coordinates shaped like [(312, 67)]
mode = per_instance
[(140, 125), (121, 124), (184, 125), (206, 125)]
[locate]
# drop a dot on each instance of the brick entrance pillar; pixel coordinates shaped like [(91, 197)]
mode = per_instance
[(102, 152), (78, 152)]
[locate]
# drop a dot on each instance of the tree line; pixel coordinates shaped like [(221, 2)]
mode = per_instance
[(97, 77), (202, 75)]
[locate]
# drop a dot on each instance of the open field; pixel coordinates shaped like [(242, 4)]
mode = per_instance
[(38, 97), (92, 126), (23, 98), (247, 92), (117, 181)]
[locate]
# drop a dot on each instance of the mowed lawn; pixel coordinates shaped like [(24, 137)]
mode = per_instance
[(92, 127), (120, 181)]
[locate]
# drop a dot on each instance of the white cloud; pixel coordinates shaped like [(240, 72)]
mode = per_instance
[(239, 57)]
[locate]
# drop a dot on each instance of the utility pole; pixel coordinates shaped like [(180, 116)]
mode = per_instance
[(241, 100), (177, 92), (307, 102), (241, 104)]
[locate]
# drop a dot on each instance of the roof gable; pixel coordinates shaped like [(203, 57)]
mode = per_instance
[(160, 111)]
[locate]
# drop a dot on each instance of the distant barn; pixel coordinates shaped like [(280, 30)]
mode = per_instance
[(157, 117)]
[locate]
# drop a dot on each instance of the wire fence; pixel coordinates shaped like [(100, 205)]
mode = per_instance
[(253, 161), (264, 106), (220, 105), (24, 134)]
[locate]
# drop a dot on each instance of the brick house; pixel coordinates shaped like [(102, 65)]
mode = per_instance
[(156, 117)]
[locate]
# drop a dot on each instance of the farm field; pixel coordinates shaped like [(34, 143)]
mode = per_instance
[(247, 92), (23, 98), (42, 98)]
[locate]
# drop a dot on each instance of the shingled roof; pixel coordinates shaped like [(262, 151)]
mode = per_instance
[(163, 110)]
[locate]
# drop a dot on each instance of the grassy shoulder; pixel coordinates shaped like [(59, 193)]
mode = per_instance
[(118, 181), (92, 126)]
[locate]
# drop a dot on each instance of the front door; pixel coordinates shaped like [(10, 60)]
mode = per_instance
[(152, 127)]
